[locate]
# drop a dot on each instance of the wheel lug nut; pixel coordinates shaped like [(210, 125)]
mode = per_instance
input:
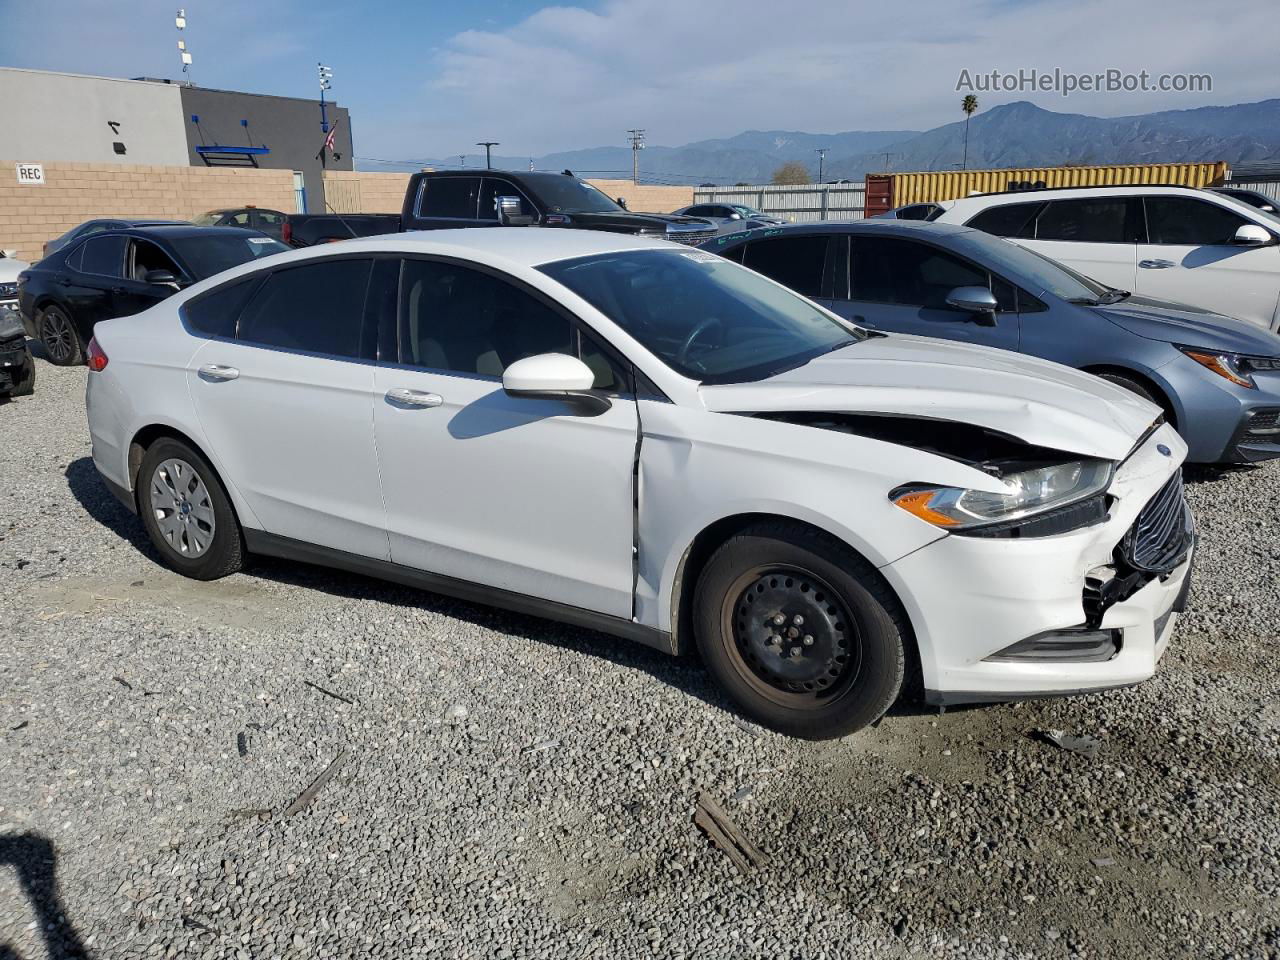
[(808, 640), (798, 620), (779, 619), (774, 640), (795, 651)]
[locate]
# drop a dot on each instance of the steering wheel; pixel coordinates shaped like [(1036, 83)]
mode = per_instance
[(702, 327)]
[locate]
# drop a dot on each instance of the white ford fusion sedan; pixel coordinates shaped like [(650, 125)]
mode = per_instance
[(651, 441)]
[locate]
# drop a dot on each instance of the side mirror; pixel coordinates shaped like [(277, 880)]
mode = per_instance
[(511, 212), (978, 301), (1251, 235), (735, 216), (159, 277), (622, 203), (555, 376)]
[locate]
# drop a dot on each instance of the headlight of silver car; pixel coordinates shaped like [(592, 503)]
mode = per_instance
[(1028, 492)]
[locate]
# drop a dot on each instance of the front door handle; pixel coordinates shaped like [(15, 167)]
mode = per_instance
[(404, 397), (217, 373), (1156, 264)]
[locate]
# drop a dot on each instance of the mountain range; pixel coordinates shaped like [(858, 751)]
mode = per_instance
[(1017, 134)]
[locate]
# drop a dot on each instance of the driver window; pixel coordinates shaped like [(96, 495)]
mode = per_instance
[(457, 320), (913, 274), (145, 256)]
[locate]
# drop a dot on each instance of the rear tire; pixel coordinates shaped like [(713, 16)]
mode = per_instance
[(187, 512), (58, 334), (800, 631)]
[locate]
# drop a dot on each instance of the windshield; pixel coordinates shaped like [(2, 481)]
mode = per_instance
[(209, 254), (747, 211), (703, 316), (1038, 273), (563, 194), (207, 219)]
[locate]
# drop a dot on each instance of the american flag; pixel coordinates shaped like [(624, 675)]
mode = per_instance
[(328, 141)]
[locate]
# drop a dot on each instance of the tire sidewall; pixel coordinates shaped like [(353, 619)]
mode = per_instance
[(224, 554), (882, 647)]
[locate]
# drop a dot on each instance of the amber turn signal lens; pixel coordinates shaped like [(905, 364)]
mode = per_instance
[(917, 502), (1219, 366)]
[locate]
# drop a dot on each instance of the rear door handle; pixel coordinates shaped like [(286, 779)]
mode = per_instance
[(1156, 264), (217, 373), (404, 397)]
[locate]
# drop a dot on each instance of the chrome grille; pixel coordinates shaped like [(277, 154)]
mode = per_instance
[(1161, 536), (691, 237)]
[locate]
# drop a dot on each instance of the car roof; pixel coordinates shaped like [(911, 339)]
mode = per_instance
[(523, 246), (873, 225), (170, 230), (1059, 193)]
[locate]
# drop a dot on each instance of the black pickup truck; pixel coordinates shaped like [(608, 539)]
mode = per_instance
[(444, 199), (308, 229)]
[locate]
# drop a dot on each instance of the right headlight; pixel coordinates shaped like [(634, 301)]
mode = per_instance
[(1027, 492)]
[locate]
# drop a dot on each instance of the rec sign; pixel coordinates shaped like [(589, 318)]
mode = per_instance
[(31, 174)]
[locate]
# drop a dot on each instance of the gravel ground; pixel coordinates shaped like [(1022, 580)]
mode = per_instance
[(511, 788)]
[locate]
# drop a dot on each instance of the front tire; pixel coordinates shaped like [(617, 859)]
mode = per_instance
[(62, 343), (800, 631), (187, 512)]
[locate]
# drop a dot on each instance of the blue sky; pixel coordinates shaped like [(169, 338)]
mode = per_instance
[(425, 80)]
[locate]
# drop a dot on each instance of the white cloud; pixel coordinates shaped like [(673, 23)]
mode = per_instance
[(691, 69)]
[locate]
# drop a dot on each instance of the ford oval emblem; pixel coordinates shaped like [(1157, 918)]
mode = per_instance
[(1163, 449)]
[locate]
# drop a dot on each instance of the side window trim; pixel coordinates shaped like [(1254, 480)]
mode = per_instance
[(577, 326), (124, 249), (255, 278), (131, 252)]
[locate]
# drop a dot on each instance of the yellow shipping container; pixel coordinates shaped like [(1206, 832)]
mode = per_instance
[(953, 184)]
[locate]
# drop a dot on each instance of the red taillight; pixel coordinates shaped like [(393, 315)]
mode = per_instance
[(286, 232), (94, 356)]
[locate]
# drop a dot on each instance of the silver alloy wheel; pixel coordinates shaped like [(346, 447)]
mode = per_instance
[(57, 335), (182, 507)]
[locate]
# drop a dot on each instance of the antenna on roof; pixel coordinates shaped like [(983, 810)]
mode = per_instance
[(180, 21)]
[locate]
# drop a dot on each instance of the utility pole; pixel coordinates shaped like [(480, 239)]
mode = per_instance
[(886, 161), (326, 83), (637, 144), (462, 159), (488, 145), (822, 156)]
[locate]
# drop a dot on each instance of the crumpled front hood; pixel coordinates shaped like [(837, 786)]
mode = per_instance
[(1034, 400), (1179, 323)]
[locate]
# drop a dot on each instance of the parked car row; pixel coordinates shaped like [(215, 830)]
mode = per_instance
[(794, 449), (653, 441), (1216, 378)]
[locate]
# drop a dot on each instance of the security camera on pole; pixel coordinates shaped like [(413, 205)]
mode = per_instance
[(326, 83), (180, 21)]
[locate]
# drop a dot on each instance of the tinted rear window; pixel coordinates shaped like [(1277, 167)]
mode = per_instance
[(315, 308), (1087, 220), (214, 314), (1009, 220), (103, 256), (454, 197), (795, 262)]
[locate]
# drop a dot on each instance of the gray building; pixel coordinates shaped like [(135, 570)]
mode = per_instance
[(67, 118)]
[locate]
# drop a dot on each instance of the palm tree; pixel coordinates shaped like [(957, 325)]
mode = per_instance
[(969, 104)]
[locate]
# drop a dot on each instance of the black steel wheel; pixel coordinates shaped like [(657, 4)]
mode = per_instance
[(58, 334), (801, 632)]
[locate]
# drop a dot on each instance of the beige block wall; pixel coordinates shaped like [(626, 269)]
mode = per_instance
[(646, 198), (75, 192), (357, 191)]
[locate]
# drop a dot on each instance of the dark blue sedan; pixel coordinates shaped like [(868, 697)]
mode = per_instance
[(1217, 379)]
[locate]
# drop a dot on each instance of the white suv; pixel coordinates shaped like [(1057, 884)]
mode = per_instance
[(655, 442), (1189, 246)]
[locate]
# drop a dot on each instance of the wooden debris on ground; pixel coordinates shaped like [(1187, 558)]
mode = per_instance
[(711, 819), (309, 794)]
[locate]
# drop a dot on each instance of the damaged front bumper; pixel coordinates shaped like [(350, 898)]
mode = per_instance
[(1082, 611)]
